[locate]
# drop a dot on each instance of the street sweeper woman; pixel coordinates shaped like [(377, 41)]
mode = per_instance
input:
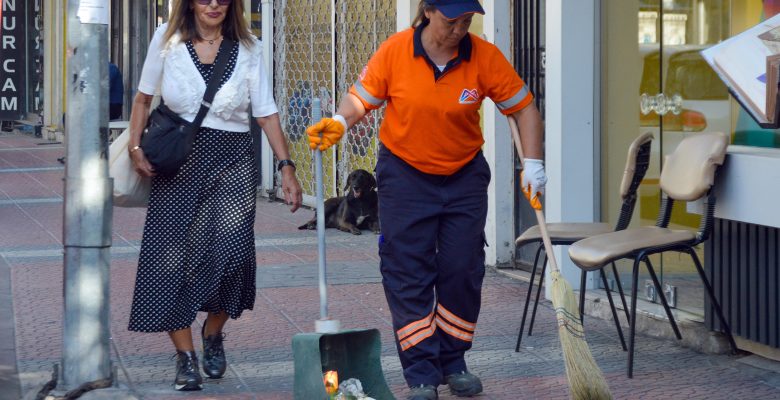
[(197, 251), (432, 180)]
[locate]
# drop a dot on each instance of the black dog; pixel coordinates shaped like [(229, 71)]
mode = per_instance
[(357, 210)]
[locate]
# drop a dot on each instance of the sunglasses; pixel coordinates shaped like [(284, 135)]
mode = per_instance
[(220, 2)]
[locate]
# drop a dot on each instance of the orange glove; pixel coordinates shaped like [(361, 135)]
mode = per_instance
[(534, 200), (533, 183), (327, 132)]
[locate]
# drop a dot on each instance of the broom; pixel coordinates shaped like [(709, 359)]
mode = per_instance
[(586, 381)]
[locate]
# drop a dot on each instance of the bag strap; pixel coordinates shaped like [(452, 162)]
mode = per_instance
[(216, 77)]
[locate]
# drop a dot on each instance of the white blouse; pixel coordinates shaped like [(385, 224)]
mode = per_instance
[(170, 71)]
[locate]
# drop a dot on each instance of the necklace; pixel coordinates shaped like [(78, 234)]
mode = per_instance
[(211, 41)]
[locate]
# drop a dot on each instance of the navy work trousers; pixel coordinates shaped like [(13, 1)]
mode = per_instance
[(432, 262)]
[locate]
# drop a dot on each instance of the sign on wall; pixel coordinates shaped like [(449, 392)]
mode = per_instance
[(34, 57), (13, 46)]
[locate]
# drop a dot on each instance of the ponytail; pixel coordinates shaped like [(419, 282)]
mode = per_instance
[(421, 9)]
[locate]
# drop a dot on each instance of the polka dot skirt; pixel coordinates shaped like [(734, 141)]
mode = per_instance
[(198, 250)]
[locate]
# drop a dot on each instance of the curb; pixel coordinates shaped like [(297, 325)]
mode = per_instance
[(99, 394)]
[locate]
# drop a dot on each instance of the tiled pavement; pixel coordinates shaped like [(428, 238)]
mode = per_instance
[(258, 345)]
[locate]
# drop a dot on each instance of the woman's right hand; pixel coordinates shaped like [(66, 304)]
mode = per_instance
[(138, 118), (327, 132), (141, 164)]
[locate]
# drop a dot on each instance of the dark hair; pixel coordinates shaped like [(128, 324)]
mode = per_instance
[(421, 9), (182, 20)]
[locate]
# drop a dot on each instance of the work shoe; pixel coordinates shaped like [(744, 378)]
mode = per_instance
[(187, 374), (464, 384), (423, 392), (214, 363)]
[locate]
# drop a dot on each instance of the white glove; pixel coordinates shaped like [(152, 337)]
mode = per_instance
[(533, 175)]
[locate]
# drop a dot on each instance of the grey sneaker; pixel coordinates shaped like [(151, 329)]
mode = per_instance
[(423, 392), (464, 384), (214, 363), (187, 374)]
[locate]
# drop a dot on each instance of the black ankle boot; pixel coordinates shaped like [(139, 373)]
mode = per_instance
[(423, 392), (214, 363), (187, 374), (464, 384)]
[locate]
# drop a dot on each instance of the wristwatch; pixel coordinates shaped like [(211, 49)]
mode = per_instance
[(284, 163)]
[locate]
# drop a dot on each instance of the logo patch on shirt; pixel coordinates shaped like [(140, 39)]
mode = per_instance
[(363, 73), (469, 96)]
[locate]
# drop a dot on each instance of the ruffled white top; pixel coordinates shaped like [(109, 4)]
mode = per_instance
[(170, 71)]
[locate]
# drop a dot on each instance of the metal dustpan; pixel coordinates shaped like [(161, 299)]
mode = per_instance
[(350, 353)]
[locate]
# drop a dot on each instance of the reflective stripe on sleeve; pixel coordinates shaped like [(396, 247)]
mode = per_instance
[(367, 96), (514, 100)]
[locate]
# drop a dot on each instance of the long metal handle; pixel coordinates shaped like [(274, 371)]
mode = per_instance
[(316, 115), (539, 214)]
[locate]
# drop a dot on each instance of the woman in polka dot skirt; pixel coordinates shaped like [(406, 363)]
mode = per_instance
[(197, 251)]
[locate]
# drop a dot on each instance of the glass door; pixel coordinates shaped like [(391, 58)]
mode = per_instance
[(693, 100), (631, 69), (672, 92)]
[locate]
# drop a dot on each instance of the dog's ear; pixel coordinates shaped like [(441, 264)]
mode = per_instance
[(348, 185), (372, 180)]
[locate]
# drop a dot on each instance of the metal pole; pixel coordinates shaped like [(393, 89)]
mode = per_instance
[(87, 209), (316, 115), (324, 324)]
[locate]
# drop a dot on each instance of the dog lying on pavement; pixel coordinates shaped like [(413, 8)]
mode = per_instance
[(355, 211)]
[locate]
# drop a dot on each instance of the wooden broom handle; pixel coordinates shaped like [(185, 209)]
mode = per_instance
[(539, 214)]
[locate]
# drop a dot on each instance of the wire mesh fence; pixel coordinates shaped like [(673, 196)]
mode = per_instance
[(302, 67), (315, 56), (362, 26)]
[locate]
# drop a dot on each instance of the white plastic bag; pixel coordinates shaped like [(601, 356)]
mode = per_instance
[(351, 389), (130, 188)]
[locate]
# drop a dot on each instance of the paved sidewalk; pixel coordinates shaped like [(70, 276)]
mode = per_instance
[(258, 345)]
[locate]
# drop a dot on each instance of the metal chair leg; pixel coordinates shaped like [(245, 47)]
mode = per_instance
[(714, 301), (538, 292), (614, 311), (583, 279), (663, 299), (528, 298), (620, 289), (632, 328)]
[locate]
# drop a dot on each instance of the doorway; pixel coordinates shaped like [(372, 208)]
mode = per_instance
[(655, 80), (529, 61)]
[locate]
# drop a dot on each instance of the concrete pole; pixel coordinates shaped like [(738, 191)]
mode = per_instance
[(572, 120), (500, 224), (267, 169), (406, 10), (88, 212)]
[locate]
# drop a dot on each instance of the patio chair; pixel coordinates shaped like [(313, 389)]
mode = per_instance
[(567, 233), (688, 175)]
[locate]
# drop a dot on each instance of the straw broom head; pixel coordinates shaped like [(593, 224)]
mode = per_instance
[(585, 379)]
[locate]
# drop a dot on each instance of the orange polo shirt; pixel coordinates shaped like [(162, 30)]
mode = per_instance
[(432, 116)]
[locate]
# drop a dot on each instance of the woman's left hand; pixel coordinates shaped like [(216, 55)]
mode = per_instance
[(291, 188)]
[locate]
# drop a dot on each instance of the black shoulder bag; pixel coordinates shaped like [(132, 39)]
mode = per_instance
[(168, 138)]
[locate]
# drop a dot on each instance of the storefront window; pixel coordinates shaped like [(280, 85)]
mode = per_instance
[(656, 80)]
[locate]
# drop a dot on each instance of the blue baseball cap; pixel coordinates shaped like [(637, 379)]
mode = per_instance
[(455, 8)]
